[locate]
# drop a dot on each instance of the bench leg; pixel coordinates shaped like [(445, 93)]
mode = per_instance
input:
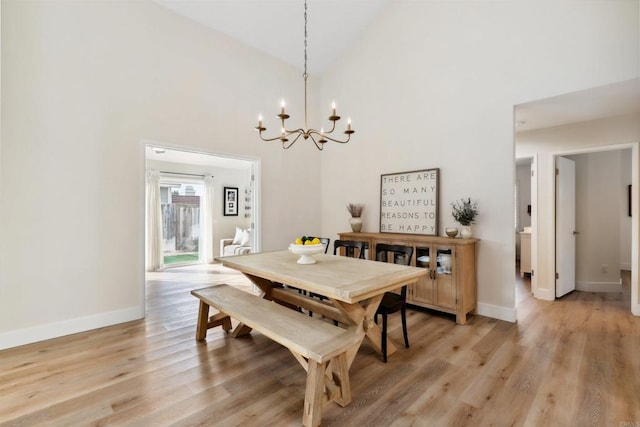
[(203, 321), (220, 319), (341, 377), (313, 395)]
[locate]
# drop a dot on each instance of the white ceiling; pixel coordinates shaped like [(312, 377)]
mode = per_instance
[(276, 27), (595, 103), (194, 158)]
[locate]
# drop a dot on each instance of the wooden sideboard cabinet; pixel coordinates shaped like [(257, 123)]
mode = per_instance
[(450, 285)]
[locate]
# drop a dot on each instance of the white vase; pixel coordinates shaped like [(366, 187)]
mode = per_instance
[(356, 224), (466, 233)]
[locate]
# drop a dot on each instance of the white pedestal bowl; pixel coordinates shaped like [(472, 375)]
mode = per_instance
[(306, 252)]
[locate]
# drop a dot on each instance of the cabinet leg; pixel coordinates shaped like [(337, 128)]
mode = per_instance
[(461, 318)]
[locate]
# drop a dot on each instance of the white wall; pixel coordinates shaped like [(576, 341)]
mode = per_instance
[(599, 219), (445, 77), (83, 83), (565, 140)]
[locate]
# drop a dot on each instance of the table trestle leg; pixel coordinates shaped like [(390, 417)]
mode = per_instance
[(326, 382)]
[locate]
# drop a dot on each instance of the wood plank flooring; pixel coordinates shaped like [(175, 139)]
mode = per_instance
[(572, 362)]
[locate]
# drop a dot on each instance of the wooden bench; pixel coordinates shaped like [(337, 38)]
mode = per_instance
[(320, 347)]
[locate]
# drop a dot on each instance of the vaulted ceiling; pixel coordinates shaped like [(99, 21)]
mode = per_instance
[(276, 27)]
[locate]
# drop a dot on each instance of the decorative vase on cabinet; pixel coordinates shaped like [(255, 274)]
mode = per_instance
[(356, 224), (355, 209)]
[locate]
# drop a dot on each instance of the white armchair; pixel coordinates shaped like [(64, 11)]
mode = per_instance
[(228, 248), (240, 244)]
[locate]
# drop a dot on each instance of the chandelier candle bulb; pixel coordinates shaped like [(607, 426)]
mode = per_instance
[(260, 121), (333, 107)]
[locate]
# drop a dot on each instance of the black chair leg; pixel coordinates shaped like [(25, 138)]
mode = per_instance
[(403, 312), (384, 338), (375, 318)]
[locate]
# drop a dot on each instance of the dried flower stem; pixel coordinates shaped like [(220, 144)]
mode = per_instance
[(355, 209)]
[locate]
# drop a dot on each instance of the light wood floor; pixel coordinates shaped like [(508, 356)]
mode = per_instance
[(572, 362)]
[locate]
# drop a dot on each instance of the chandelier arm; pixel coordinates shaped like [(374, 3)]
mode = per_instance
[(333, 127), (286, 147), (318, 145), (337, 140), (269, 139), (312, 132), (299, 130)]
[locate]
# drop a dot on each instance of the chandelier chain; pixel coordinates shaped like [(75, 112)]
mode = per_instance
[(305, 40)]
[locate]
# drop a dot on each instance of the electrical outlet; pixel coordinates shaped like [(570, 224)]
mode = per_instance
[(605, 268)]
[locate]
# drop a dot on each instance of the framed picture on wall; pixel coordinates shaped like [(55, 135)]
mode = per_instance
[(230, 201), (629, 198), (409, 202)]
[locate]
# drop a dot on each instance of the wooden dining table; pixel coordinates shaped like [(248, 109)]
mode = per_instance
[(353, 287)]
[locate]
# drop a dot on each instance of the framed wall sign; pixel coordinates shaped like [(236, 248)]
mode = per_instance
[(230, 201), (409, 202)]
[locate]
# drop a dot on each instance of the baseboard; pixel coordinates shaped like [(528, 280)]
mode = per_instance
[(497, 312), (67, 327), (599, 286)]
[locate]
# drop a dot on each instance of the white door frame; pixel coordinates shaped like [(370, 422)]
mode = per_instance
[(534, 220), (635, 211), (255, 203)]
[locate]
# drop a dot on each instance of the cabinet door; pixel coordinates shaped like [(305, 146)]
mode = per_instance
[(445, 285), (422, 291)]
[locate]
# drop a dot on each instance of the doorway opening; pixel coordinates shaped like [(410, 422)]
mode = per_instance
[(185, 214), (592, 227), (555, 127), (524, 197)]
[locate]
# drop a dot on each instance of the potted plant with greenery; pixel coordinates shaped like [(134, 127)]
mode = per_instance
[(355, 209), (465, 212)]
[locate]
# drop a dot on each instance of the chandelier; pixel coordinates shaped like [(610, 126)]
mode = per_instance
[(288, 137)]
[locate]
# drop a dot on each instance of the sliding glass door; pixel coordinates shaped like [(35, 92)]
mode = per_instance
[(180, 204)]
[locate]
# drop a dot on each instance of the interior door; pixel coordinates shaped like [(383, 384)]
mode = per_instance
[(565, 226)]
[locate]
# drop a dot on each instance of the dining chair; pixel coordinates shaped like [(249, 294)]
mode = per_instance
[(391, 301), (350, 248), (325, 242)]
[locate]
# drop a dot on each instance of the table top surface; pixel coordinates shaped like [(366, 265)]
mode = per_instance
[(339, 277)]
